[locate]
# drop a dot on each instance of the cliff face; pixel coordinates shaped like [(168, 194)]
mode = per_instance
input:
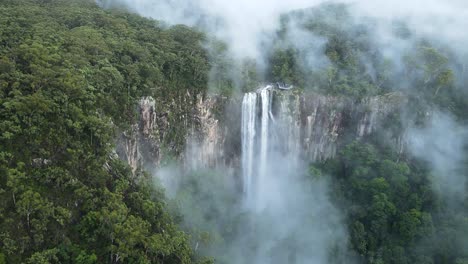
[(206, 140), (324, 122), (156, 136), (315, 126), (140, 146)]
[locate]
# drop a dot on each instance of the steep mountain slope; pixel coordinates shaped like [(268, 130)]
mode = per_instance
[(70, 74)]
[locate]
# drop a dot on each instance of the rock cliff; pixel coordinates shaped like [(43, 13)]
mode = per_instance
[(316, 125)]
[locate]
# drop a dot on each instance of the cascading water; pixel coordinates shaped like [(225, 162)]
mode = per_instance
[(249, 110), (255, 146), (264, 135), (276, 193)]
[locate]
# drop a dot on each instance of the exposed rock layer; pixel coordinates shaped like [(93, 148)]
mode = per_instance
[(316, 126)]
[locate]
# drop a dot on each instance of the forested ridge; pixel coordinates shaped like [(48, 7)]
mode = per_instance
[(70, 74)]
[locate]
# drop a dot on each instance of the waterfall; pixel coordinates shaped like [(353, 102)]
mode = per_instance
[(249, 110), (264, 136), (255, 146)]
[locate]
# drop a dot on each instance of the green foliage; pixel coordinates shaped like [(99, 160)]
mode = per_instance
[(285, 68), (354, 67), (221, 65), (392, 215), (337, 53), (70, 74)]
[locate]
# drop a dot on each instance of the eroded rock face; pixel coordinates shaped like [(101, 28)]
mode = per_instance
[(205, 143), (148, 117), (315, 127), (375, 109), (340, 117), (140, 145), (322, 119)]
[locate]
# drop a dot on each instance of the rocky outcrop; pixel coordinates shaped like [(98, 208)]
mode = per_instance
[(207, 137), (322, 124), (148, 142), (316, 125), (140, 146), (329, 119)]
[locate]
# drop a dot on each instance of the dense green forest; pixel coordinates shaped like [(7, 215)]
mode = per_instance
[(70, 74), (394, 215)]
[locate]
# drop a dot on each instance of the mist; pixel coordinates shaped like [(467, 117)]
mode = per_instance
[(247, 25), (280, 213), (442, 143), (250, 30)]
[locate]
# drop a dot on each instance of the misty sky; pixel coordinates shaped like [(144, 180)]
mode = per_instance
[(244, 23)]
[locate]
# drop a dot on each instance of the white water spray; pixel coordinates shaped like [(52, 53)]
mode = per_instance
[(276, 192), (264, 136), (249, 110), (255, 146), (266, 143)]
